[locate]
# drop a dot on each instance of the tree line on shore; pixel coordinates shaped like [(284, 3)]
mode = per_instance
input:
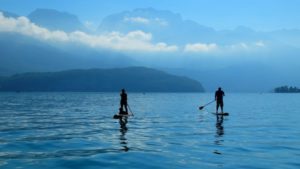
[(287, 89)]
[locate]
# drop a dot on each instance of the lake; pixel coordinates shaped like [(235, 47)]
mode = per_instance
[(76, 130)]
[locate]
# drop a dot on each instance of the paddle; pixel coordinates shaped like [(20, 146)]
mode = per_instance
[(201, 107), (130, 109)]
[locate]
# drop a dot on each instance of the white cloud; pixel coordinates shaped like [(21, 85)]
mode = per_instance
[(201, 47), (223, 49), (239, 46), (139, 20), (242, 46), (135, 41), (161, 22), (90, 25), (260, 44), (146, 21), (23, 26), (132, 41)]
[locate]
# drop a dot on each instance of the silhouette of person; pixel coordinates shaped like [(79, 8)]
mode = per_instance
[(219, 99), (123, 102)]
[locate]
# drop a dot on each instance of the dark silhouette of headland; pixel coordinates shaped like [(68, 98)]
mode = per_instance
[(134, 79), (287, 89)]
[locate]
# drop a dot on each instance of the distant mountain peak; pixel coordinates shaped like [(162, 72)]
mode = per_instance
[(147, 13), (9, 14), (56, 20), (51, 11), (164, 25), (244, 29), (153, 11)]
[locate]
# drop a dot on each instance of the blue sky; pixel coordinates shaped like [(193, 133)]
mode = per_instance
[(220, 14)]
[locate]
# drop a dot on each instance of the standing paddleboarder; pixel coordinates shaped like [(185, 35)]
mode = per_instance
[(123, 102), (219, 99)]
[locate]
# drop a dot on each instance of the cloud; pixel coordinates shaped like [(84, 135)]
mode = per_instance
[(161, 22), (135, 41), (90, 25), (242, 46), (260, 44), (223, 49), (139, 20), (201, 47), (146, 21), (239, 46), (23, 26)]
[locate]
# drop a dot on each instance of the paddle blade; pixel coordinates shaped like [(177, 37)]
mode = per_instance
[(116, 117), (226, 114)]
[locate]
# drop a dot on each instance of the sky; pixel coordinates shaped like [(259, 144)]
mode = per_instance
[(168, 41), (264, 15)]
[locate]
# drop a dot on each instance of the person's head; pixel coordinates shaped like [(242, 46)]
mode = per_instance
[(123, 90), (220, 88)]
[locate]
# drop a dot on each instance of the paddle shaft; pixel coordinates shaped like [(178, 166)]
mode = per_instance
[(206, 105), (130, 109)]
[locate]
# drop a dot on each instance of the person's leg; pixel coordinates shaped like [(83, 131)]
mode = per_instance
[(217, 107), (126, 108), (222, 107), (121, 106)]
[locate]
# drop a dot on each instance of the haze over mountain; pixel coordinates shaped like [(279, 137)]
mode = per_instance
[(56, 20), (240, 59), (9, 14), (169, 27), (165, 26), (21, 53), (134, 79)]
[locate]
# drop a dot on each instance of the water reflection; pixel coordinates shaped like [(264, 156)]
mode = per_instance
[(219, 132), (123, 130), (219, 126)]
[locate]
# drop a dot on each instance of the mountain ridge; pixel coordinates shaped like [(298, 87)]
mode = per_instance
[(134, 79), (56, 20)]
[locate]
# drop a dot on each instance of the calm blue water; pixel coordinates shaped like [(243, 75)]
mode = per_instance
[(76, 130)]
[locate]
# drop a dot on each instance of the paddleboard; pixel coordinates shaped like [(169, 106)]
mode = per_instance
[(118, 116), (224, 114)]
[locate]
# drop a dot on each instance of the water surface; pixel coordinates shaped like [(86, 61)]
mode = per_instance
[(76, 130)]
